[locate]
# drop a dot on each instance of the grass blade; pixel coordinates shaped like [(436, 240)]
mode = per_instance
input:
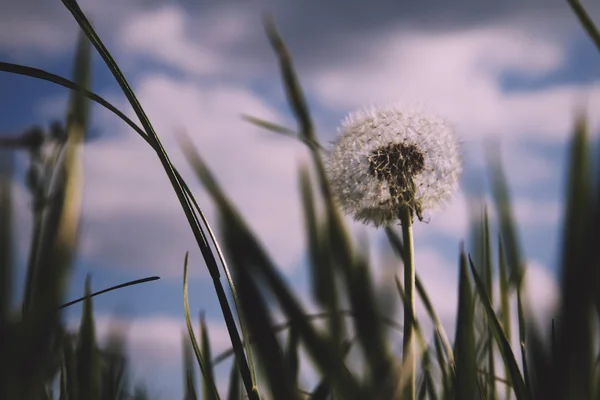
[(238, 236), (88, 368), (209, 382), (192, 336), (188, 368), (235, 387), (184, 196), (120, 286), (6, 160), (508, 228), (574, 360), (276, 370), (586, 21), (464, 346), (503, 342)]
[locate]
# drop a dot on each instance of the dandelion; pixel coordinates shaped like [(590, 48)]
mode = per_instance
[(387, 165), (389, 158)]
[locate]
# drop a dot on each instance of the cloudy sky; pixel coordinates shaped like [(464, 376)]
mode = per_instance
[(510, 71)]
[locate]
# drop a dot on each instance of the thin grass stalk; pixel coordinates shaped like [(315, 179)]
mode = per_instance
[(199, 357)]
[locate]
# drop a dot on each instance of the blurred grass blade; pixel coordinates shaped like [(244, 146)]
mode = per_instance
[(369, 329), (238, 236), (6, 253), (270, 126), (88, 367), (192, 336), (235, 387), (114, 366), (209, 383), (190, 392), (48, 275), (488, 269), (292, 357), (574, 361), (71, 382), (586, 21), (464, 347), (504, 301), (290, 81), (503, 343), (324, 286), (320, 270), (508, 229), (60, 228), (272, 359)]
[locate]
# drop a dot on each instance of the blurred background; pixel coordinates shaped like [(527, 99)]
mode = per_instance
[(508, 72)]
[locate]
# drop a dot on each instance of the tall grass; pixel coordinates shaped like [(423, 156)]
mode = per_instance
[(39, 355)]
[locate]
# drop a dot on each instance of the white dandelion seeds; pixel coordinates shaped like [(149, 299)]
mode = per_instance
[(388, 158)]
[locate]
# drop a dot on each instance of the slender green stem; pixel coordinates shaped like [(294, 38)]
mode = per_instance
[(408, 345)]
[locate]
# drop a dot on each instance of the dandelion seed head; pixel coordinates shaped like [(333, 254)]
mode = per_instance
[(391, 157)]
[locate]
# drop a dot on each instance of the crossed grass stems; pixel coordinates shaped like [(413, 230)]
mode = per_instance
[(465, 370)]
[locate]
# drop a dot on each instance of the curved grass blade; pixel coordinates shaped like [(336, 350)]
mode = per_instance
[(188, 321), (183, 195), (508, 356), (59, 80), (122, 285)]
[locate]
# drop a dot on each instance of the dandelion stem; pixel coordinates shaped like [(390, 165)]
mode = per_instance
[(408, 356)]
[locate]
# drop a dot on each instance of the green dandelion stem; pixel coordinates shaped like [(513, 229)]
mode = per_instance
[(408, 354)]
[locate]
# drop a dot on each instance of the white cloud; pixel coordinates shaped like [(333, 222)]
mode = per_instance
[(161, 33), (40, 33), (195, 44), (129, 202), (458, 74)]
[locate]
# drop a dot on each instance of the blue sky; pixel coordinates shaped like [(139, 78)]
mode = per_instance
[(507, 72)]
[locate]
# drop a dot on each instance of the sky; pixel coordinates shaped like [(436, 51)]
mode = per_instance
[(509, 72)]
